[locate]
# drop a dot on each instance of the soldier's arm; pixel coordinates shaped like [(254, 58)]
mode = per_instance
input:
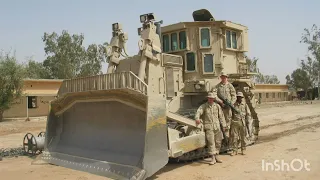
[(215, 89), (221, 117), (233, 94), (199, 113), (219, 101)]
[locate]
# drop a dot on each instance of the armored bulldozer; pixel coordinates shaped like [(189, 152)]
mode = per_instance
[(128, 123)]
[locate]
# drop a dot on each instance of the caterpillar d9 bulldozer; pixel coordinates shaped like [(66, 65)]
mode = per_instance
[(128, 123)]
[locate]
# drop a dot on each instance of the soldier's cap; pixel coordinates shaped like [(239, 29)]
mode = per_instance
[(223, 73), (212, 95), (239, 94)]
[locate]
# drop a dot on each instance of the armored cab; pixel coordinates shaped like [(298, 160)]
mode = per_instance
[(207, 46)]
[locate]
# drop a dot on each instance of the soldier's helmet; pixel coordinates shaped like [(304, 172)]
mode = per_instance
[(212, 95), (224, 73), (239, 94)]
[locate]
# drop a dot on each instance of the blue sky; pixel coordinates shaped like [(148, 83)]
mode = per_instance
[(275, 27)]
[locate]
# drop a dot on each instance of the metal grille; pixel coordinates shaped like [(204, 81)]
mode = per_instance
[(169, 59), (118, 80)]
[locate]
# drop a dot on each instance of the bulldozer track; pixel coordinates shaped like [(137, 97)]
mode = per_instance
[(203, 153)]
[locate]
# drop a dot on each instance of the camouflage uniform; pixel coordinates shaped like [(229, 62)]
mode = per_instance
[(238, 128), (212, 116), (228, 92)]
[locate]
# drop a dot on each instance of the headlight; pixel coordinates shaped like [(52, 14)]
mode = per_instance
[(115, 26), (143, 18)]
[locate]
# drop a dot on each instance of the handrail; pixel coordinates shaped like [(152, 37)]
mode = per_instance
[(119, 80)]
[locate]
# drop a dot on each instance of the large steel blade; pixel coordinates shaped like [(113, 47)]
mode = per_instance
[(118, 134)]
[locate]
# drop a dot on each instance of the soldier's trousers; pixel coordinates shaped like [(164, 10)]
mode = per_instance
[(214, 138), (237, 132), (228, 117), (250, 124)]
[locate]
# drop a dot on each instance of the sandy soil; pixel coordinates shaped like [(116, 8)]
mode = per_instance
[(13, 131), (287, 133)]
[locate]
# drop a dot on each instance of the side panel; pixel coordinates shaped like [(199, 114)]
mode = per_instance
[(245, 40), (170, 82), (156, 140), (156, 146)]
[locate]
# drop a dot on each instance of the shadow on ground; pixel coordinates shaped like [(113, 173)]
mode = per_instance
[(176, 165)]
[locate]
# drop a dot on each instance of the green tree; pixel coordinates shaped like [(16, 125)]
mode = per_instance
[(300, 79), (271, 79), (68, 58), (288, 80), (259, 77), (311, 68), (312, 39), (91, 65), (252, 64), (36, 70), (11, 81), (253, 68)]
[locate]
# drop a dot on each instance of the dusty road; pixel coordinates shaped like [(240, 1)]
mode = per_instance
[(287, 133)]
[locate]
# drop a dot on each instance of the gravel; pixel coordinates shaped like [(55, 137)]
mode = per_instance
[(11, 152)]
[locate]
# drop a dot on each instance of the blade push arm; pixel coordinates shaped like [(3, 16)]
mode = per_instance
[(116, 47)]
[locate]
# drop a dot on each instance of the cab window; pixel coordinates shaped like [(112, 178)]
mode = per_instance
[(205, 37), (208, 63), (228, 34), (190, 61), (165, 43), (231, 39), (182, 40), (174, 42), (234, 40)]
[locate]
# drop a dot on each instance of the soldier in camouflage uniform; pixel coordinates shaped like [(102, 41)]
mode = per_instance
[(238, 128), (212, 117), (226, 89)]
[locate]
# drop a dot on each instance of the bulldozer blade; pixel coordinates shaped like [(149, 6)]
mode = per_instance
[(120, 134)]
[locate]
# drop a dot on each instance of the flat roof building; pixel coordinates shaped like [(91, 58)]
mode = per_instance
[(36, 95)]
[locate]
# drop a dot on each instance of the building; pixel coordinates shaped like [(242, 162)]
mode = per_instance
[(271, 92), (37, 93)]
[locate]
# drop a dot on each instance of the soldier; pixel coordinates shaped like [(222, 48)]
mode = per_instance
[(212, 117), (238, 128), (227, 91)]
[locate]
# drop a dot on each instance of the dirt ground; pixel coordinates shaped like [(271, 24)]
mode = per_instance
[(288, 132), (13, 131)]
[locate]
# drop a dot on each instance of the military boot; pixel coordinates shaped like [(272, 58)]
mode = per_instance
[(243, 151), (218, 159), (234, 152), (213, 160)]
